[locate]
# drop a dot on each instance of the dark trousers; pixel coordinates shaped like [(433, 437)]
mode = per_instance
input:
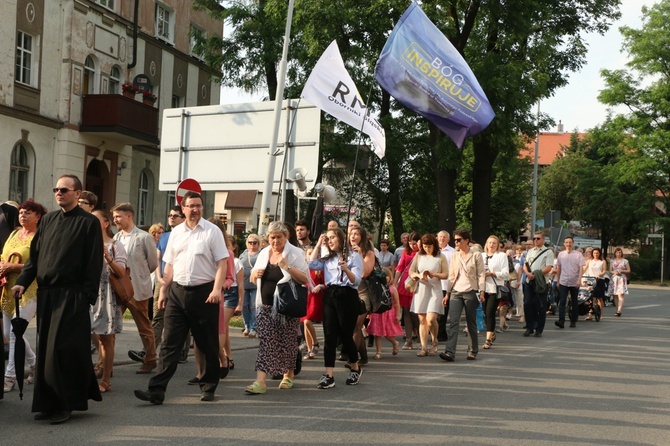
[(442, 322), (490, 309), (340, 312), (457, 303), (563, 299), (534, 308), (186, 309)]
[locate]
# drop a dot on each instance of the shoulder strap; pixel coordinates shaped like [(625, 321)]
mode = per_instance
[(537, 257)]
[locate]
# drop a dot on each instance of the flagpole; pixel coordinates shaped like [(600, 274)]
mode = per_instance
[(279, 99), (353, 171)]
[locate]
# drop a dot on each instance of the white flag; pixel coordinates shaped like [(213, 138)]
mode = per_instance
[(331, 89)]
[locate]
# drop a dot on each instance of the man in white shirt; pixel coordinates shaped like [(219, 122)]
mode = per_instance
[(539, 259), (443, 238), (195, 271)]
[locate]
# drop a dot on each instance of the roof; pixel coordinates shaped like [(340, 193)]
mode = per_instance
[(551, 145), (241, 199)]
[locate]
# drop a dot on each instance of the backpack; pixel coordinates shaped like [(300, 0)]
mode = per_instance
[(378, 290)]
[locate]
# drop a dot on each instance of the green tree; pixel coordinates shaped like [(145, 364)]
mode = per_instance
[(593, 184)]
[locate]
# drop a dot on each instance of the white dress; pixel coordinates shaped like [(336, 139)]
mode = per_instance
[(428, 295)]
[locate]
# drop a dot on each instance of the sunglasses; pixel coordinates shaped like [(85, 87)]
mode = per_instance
[(537, 238), (253, 243), (174, 216), (62, 190), (83, 202), (458, 240)]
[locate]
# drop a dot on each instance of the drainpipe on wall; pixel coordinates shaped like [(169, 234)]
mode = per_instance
[(134, 62)]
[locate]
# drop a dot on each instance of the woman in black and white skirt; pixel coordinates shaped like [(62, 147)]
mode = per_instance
[(277, 334)]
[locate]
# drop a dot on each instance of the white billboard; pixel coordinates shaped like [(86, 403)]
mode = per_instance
[(226, 147)]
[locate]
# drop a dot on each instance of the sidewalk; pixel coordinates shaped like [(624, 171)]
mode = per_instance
[(633, 286), (128, 339)]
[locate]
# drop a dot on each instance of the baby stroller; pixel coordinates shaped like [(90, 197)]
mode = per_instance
[(586, 302)]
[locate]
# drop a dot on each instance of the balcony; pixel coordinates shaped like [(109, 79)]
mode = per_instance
[(120, 118)]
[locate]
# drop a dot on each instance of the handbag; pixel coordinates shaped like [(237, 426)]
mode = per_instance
[(122, 286), (378, 290), (291, 299), (410, 285), (502, 293)]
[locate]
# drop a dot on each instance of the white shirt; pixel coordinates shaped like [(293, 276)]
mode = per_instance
[(499, 265), (447, 252), (193, 253)]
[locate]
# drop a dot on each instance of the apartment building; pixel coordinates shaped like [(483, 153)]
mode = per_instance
[(62, 103)]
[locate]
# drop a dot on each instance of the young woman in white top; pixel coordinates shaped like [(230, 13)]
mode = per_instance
[(496, 269), (596, 267), (620, 269)]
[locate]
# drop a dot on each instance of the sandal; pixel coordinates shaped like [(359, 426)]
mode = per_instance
[(315, 350), (286, 383), (231, 364), (31, 376), (396, 347), (433, 350), (9, 384), (377, 356), (104, 386), (407, 346), (422, 353), (488, 344), (618, 314), (307, 356), (255, 389), (471, 356)]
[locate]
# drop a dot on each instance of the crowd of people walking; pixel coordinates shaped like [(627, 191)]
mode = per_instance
[(70, 269)]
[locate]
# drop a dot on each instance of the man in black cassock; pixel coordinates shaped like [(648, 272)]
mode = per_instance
[(66, 259)]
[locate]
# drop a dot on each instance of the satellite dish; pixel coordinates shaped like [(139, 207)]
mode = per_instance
[(328, 194), (297, 176)]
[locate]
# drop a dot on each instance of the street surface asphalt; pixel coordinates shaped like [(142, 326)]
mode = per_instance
[(601, 383)]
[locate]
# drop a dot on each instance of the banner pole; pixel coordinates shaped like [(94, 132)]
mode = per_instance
[(353, 171), (279, 99)]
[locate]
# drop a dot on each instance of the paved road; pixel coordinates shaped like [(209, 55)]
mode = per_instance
[(603, 383)]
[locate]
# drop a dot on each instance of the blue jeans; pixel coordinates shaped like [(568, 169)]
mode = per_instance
[(457, 302), (563, 296), (534, 308), (249, 309)]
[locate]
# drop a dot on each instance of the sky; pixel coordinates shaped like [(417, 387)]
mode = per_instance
[(575, 105)]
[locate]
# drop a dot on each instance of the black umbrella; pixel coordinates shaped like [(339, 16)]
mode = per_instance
[(19, 327)]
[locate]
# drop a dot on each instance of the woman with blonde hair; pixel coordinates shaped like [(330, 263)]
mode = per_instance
[(278, 334), (496, 271)]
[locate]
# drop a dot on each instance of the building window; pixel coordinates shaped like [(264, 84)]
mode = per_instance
[(143, 199), (196, 35), (176, 101), (115, 80), (109, 4), (19, 173), (89, 76), (24, 58), (164, 23)]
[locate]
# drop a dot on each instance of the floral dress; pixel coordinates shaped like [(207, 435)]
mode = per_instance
[(619, 282), (106, 317)]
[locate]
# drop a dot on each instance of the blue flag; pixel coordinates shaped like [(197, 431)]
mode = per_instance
[(421, 68)]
